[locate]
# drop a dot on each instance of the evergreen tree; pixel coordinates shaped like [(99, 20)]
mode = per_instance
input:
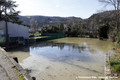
[(8, 13)]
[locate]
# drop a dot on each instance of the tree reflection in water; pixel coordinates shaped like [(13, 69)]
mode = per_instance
[(80, 47)]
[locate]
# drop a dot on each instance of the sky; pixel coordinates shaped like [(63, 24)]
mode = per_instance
[(62, 8)]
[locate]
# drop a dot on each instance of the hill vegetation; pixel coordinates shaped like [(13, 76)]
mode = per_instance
[(74, 26), (45, 20)]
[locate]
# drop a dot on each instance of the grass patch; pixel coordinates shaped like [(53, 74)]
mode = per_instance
[(115, 65), (20, 76), (118, 57), (34, 35), (38, 37)]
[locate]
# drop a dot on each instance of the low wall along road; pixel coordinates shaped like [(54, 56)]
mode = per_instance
[(10, 69)]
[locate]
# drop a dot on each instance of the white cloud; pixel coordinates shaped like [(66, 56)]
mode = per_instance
[(57, 6)]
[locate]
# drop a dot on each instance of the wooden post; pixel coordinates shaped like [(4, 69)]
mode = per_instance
[(33, 78), (16, 59)]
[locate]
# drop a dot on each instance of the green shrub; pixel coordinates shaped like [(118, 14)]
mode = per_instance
[(112, 63), (116, 67), (103, 30)]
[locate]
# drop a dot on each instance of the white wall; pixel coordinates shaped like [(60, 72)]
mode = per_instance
[(2, 30), (15, 30)]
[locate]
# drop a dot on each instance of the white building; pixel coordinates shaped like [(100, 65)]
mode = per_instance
[(14, 30)]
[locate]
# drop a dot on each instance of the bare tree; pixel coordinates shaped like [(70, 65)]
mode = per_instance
[(34, 26), (116, 6)]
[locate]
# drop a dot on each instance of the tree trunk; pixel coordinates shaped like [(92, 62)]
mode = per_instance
[(7, 37), (0, 15), (6, 25)]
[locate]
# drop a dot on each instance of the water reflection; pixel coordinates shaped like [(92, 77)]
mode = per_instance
[(61, 46), (65, 52)]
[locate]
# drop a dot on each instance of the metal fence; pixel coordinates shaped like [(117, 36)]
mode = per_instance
[(53, 34)]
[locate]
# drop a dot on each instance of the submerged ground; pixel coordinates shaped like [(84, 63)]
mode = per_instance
[(65, 58)]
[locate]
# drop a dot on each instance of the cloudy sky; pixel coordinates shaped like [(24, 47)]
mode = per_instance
[(63, 8)]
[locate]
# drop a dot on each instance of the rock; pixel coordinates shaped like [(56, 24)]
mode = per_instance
[(115, 74)]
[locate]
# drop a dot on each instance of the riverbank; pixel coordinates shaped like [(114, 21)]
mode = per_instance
[(10, 69), (114, 61)]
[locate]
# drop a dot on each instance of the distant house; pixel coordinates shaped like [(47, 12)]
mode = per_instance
[(14, 30)]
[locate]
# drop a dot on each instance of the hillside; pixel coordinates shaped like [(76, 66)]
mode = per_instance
[(96, 20), (92, 23), (44, 20)]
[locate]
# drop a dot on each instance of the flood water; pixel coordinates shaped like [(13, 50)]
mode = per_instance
[(65, 58)]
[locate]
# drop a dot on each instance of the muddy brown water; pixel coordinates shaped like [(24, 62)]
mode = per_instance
[(65, 58)]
